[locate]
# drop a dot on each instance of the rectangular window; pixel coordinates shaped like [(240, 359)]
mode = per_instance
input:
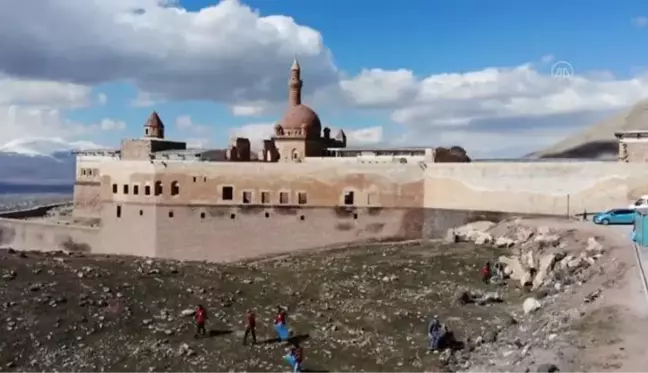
[(194, 179), (83, 171), (284, 198), (372, 199), (158, 188), (265, 197), (228, 193), (125, 188), (175, 188), (114, 188), (119, 211), (247, 197), (348, 198), (147, 190), (135, 189), (302, 198)]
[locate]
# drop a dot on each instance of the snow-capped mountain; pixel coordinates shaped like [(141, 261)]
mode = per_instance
[(45, 147), (40, 161)]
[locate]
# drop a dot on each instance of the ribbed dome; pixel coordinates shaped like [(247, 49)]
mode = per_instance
[(301, 115)]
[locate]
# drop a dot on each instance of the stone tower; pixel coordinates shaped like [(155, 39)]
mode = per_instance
[(154, 128), (295, 84)]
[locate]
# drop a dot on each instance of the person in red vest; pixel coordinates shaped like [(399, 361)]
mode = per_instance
[(250, 327), (280, 324), (486, 273), (201, 317)]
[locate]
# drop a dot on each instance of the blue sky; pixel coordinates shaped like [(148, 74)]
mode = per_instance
[(417, 37)]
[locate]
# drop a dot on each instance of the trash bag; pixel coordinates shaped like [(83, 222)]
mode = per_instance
[(283, 333)]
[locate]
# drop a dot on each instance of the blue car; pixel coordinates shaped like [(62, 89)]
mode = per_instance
[(615, 216)]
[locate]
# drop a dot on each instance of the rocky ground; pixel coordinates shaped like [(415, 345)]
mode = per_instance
[(571, 298), (10, 202), (587, 310), (361, 309)]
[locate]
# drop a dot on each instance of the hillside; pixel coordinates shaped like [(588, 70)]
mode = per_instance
[(598, 141)]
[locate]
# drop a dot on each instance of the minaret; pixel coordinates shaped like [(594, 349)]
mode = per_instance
[(295, 84)]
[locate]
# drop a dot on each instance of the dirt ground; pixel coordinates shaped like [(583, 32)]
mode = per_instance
[(612, 335), (356, 309)]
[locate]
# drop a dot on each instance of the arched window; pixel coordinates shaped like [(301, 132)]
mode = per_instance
[(295, 154), (158, 188), (175, 188)]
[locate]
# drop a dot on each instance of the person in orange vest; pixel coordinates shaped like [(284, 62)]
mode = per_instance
[(201, 317), (486, 273)]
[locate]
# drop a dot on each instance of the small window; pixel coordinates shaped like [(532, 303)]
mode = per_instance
[(89, 171), (135, 189), (125, 188), (141, 212), (348, 198), (175, 188), (228, 193), (267, 215), (247, 197), (283, 198), (202, 215), (232, 216), (147, 190), (372, 199), (114, 188), (119, 211), (302, 198), (170, 214), (194, 179), (265, 197), (158, 188), (83, 171), (204, 179)]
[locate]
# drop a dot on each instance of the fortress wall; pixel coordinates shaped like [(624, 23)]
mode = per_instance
[(33, 235), (229, 234), (87, 201), (376, 185), (133, 232), (534, 188)]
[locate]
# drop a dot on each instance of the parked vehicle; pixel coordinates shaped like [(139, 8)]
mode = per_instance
[(642, 202), (615, 216)]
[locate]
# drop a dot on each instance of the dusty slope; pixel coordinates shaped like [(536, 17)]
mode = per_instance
[(598, 141), (364, 310)]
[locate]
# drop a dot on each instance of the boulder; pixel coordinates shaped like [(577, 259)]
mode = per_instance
[(504, 242), (523, 234), (547, 239), (593, 246), (482, 238), (545, 266), (451, 236), (531, 305), (516, 271)]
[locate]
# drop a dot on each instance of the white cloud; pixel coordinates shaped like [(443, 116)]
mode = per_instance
[(226, 52), (640, 21), (251, 109), (185, 124), (36, 92), (369, 135), (143, 99), (112, 125), (31, 107)]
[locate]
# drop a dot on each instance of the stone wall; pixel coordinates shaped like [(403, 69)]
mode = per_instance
[(87, 201), (42, 236), (558, 188)]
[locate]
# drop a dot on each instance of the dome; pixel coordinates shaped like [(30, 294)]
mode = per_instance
[(301, 116)]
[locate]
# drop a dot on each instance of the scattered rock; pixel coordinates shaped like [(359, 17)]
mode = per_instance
[(548, 368), (531, 305)]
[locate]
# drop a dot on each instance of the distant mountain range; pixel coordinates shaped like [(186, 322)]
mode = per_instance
[(39, 164), (598, 141)]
